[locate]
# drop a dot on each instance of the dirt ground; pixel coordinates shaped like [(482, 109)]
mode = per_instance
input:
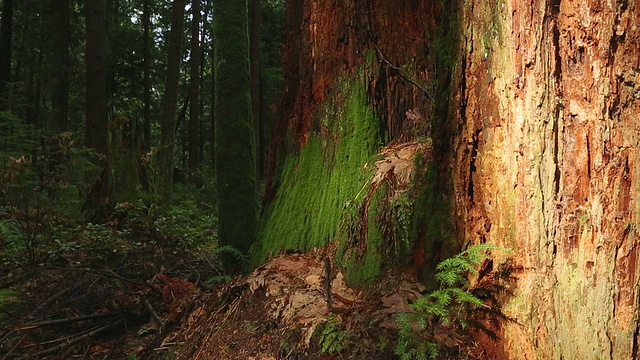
[(293, 307)]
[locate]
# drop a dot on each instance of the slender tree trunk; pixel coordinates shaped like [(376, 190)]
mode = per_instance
[(194, 109), (234, 139), (146, 82), (6, 35), (170, 103), (255, 21), (96, 77), (60, 95)]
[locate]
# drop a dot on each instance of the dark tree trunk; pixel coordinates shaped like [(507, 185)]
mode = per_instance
[(61, 41), (96, 77), (234, 139), (6, 35), (194, 109), (255, 21), (146, 82), (170, 102)]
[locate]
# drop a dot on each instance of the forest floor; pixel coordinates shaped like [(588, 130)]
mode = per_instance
[(293, 307)]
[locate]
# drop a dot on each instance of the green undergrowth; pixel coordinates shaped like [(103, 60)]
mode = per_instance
[(319, 182)]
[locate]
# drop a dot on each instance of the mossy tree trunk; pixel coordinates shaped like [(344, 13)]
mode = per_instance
[(359, 75), (234, 139), (532, 108)]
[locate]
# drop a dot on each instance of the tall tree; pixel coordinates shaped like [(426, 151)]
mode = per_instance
[(96, 77), (6, 36), (535, 148), (170, 102), (60, 53), (194, 91), (255, 25), (146, 82), (234, 139)]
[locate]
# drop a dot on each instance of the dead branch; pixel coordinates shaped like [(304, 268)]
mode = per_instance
[(71, 342), (111, 274), (39, 324), (403, 75)]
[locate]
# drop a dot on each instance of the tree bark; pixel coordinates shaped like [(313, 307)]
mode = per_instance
[(146, 82), (532, 110), (255, 20), (545, 163), (170, 102), (234, 139), (194, 108), (62, 38), (96, 82), (6, 33)]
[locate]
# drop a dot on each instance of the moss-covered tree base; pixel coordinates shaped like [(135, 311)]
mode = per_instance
[(341, 188)]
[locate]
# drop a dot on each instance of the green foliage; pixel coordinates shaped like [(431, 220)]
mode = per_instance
[(43, 186), (333, 338), (452, 303), (190, 218), (7, 301)]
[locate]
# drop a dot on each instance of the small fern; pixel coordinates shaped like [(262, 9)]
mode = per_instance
[(451, 303), (333, 338)]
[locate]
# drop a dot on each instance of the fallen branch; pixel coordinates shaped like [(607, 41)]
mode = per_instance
[(71, 342), (39, 324), (111, 274)]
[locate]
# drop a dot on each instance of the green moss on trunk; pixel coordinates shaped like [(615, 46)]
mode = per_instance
[(328, 173)]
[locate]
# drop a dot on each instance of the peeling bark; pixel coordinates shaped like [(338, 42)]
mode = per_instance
[(551, 99)]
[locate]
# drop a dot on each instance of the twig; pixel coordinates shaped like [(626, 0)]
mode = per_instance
[(113, 275), (29, 326), (55, 297), (70, 343), (154, 314), (327, 282), (14, 348), (403, 74)]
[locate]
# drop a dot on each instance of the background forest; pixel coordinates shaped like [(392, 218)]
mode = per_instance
[(88, 92), (107, 149)]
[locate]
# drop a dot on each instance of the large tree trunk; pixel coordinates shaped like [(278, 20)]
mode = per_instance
[(533, 110), (545, 163)]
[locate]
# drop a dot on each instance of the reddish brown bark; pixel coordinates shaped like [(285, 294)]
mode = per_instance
[(328, 39), (540, 142), (545, 163)]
